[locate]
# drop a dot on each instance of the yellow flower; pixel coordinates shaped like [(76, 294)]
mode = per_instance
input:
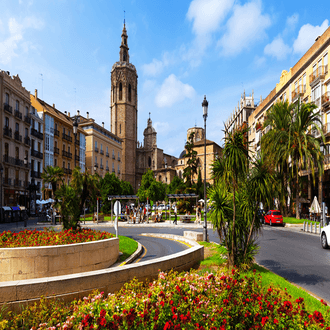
[(3, 324)]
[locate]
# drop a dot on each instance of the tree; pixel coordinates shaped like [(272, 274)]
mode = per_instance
[(110, 185), (303, 147), (199, 185), (52, 175), (176, 186), (150, 188), (126, 188), (192, 162)]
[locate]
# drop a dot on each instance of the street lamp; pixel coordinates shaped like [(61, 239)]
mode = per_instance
[(1, 171), (205, 107), (75, 129), (95, 168)]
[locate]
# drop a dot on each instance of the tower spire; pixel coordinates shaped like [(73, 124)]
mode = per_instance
[(123, 53)]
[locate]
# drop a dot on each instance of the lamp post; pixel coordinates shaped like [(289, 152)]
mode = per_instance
[(95, 168), (205, 107), (1, 172), (75, 129)]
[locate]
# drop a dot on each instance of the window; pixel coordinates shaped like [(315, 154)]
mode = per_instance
[(63, 130), (47, 142), (26, 111), (17, 127), (113, 93), (26, 132), (101, 147), (107, 164), (69, 165), (55, 162), (32, 123), (118, 169), (39, 127), (118, 155), (113, 167), (95, 144), (101, 162), (107, 150), (113, 154), (129, 93), (7, 98), (6, 122), (16, 152), (6, 149), (325, 63), (95, 159), (125, 56), (69, 149), (63, 164), (17, 106), (120, 91), (39, 146), (63, 147)]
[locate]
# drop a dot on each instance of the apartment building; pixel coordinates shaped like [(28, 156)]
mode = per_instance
[(309, 81), (14, 141), (103, 148), (62, 147)]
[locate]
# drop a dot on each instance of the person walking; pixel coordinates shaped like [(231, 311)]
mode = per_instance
[(197, 215), (175, 222)]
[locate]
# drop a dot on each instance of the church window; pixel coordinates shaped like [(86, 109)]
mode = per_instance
[(125, 41), (120, 91), (124, 56), (129, 93), (160, 178), (113, 93), (149, 161)]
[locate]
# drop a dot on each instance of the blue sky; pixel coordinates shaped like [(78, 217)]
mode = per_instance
[(181, 50)]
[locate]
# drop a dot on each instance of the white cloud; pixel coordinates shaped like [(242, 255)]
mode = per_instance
[(15, 39), (156, 66), (246, 26), (292, 21), (207, 14), (161, 128), (173, 91), (277, 48), (259, 61), (307, 35)]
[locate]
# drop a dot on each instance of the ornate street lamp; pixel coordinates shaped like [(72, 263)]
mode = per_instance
[(205, 105), (75, 130)]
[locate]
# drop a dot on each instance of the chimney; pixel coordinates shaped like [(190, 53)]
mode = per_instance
[(87, 115), (103, 124), (69, 114), (78, 112), (36, 93), (54, 105)]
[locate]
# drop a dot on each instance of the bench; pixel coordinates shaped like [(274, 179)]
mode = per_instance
[(186, 218)]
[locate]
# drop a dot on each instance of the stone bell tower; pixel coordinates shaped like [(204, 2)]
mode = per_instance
[(124, 108)]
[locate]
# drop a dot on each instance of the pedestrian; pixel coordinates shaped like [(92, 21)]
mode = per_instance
[(144, 213), (175, 222), (197, 215)]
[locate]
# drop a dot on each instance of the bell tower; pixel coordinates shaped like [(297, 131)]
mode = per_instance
[(123, 100)]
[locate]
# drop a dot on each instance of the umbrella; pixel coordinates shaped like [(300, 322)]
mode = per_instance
[(50, 200), (315, 207)]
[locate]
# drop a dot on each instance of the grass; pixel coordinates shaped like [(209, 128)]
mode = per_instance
[(127, 246), (296, 221), (215, 261)]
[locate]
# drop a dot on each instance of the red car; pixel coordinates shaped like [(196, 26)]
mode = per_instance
[(273, 217)]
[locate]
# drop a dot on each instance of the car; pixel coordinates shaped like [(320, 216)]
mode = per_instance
[(273, 217), (325, 237), (161, 207)]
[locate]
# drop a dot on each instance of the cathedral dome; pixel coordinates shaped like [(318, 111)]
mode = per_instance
[(183, 153)]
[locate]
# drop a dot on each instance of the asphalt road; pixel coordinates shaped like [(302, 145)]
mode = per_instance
[(298, 257)]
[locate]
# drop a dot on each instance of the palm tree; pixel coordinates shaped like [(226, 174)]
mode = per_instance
[(234, 168), (303, 147), (52, 175), (274, 146)]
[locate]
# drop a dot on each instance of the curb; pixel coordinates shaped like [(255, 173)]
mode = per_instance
[(133, 257)]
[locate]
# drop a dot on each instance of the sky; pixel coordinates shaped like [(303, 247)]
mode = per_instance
[(182, 50)]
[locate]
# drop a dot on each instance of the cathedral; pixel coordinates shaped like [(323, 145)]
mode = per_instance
[(136, 157)]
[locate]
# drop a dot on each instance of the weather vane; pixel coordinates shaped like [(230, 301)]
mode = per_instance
[(124, 16)]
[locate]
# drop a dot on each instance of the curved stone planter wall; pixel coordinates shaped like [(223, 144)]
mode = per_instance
[(45, 261), (19, 293)]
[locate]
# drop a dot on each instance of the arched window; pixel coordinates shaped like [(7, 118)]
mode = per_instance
[(129, 93), (113, 93), (124, 56), (149, 161), (120, 91)]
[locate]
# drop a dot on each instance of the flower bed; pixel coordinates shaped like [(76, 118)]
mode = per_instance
[(47, 237), (184, 301)]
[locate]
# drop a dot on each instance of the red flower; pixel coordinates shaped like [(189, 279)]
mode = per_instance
[(275, 321), (103, 312)]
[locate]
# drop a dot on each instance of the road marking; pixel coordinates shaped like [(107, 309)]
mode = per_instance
[(145, 252)]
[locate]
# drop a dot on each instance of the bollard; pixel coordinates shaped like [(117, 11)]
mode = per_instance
[(315, 228), (304, 226)]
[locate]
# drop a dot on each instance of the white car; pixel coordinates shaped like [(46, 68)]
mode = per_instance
[(161, 207), (325, 237)]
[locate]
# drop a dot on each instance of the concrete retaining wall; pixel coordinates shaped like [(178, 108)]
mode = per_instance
[(21, 293), (45, 261)]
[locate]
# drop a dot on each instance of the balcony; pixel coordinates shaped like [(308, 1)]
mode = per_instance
[(118, 159), (18, 114), (102, 152), (27, 119), (325, 100), (37, 134), (326, 159), (96, 149), (35, 174), (7, 132), (15, 161), (77, 143), (66, 137), (101, 166), (17, 183), (317, 102), (56, 132), (27, 141), (326, 129), (35, 153), (77, 158), (8, 108), (56, 151), (19, 162), (298, 92), (113, 156), (318, 75), (113, 170), (118, 171), (66, 154), (7, 181), (67, 171), (17, 136), (107, 154), (107, 169)]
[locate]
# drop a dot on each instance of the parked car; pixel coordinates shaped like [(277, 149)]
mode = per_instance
[(161, 207), (325, 237), (273, 217)]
